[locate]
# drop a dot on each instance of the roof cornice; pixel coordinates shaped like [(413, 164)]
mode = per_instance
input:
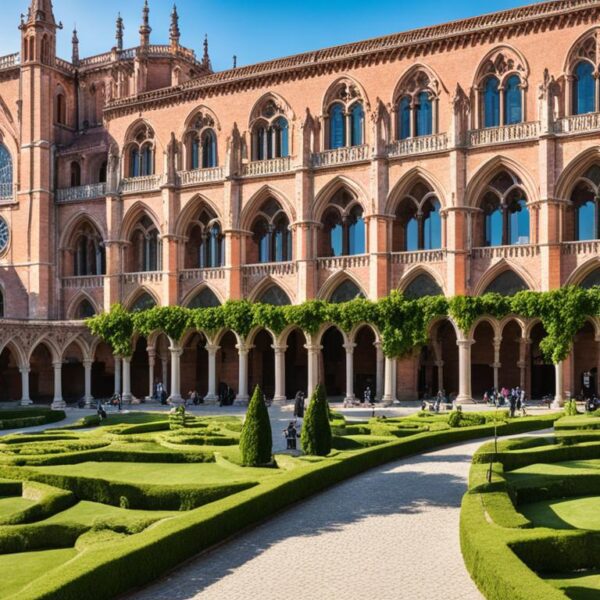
[(427, 40)]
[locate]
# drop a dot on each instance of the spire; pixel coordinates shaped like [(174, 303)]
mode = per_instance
[(174, 33), (119, 35), (75, 43), (206, 57), (41, 11), (145, 29)]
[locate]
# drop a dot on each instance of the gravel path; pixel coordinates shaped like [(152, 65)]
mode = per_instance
[(389, 534)]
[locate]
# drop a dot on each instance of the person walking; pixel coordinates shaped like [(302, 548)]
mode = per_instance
[(291, 434), (299, 405), (513, 404)]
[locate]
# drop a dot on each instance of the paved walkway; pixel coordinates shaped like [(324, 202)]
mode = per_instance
[(390, 534)]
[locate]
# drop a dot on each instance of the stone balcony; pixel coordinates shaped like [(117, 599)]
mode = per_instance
[(337, 263), (200, 176), (274, 166), (148, 183), (189, 279), (142, 278), (504, 135), (280, 271), (586, 248), (498, 252), (10, 61), (83, 282), (578, 124), (418, 257), (418, 145), (341, 156), (81, 193)]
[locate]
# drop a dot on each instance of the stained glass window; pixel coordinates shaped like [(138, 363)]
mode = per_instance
[(584, 95)]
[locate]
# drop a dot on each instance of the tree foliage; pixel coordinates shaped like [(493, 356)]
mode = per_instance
[(316, 429), (256, 440)]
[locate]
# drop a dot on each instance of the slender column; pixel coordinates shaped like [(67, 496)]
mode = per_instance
[(380, 371), (117, 374), (165, 373), (25, 399), (176, 353), (58, 401), (127, 397), (395, 380), (502, 108), (388, 392), (440, 374), (242, 396), (348, 129), (559, 395), (280, 395), (350, 397), (87, 366), (313, 367), (496, 365), (151, 363), (464, 372), (522, 364), (211, 396), (478, 109)]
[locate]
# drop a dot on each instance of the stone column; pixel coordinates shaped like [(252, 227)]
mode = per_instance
[(350, 397), (464, 372), (395, 380), (559, 400), (211, 396), (388, 391), (440, 374), (280, 395), (313, 367), (151, 363), (58, 401), (522, 364), (242, 396), (127, 396), (380, 371), (176, 352), (496, 364), (25, 399), (87, 365), (117, 374)]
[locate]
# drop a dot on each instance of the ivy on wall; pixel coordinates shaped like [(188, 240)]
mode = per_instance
[(403, 323)]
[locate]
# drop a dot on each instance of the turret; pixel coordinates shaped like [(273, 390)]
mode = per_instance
[(75, 51), (174, 32), (119, 34), (38, 33), (145, 29), (205, 56)]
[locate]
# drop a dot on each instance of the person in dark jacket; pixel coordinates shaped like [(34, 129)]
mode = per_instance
[(299, 405)]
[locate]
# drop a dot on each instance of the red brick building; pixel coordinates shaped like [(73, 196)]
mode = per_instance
[(454, 159)]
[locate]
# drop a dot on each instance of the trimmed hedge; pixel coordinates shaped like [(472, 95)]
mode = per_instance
[(30, 417), (256, 439), (98, 574), (43, 536)]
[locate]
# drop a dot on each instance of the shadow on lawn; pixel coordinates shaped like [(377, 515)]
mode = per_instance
[(392, 489)]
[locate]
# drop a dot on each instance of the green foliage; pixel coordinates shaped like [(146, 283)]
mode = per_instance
[(570, 409), (256, 440), (115, 328), (178, 419), (316, 430), (171, 320)]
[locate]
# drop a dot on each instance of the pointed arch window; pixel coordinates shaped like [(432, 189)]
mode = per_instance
[(203, 150), (337, 127), (1, 304), (85, 310), (146, 247), (75, 174), (356, 231), (416, 104), (345, 292), (6, 173), (357, 124), (344, 226), (424, 115), (493, 223), (102, 172), (432, 225), (271, 234), (275, 296), (61, 109), (585, 200), (270, 129), (206, 298), (205, 248), (141, 152), (344, 110), (507, 283), (89, 252), (404, 116), (584, 88), (144, 302), (513, 99), (491, 103), (421, 286)]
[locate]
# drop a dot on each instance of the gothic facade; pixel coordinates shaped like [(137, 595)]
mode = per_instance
[(454, 159)]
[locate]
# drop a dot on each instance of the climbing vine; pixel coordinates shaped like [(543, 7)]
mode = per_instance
[(404, 323)]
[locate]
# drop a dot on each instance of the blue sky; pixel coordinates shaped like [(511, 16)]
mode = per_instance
[(255, 30)]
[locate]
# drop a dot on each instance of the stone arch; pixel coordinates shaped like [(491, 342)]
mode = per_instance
[(406, 85), (281, 108), (512, 318), (192, 209), (576, 168), (357, 328), (583, 48), (500, 269), (136, 295), (207, 113), (491, 321), (81, 345), (199, 290), (134, 214), (75, 304), (17, 350), (585, 271), (331, 188), (257, 199), (503, 61), (266, 284), (251, 337), (72, 226), (425, 278), (479, 183), (45, 340), (407, 182), (333, 283), (350, 88)]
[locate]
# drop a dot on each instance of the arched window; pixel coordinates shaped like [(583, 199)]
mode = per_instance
[(144, 302), (85, 310), (141, 152), (75, 174), (592, 280), (89, 252), (206, 298), (505, 212), (209, 149), (61, 109), (418, 222), (275, 296), (344, 228), (271, 234), (146, 247), (424, 116), (1, 304), (200, 141), (205, 248), (6, 173), (102, 172), (513, 101), (421, 286), (491, 103), (584, 88), (507, 283), (404, 116), (345, 292), (357, 118), (585, 200), (337, 127), (270, 129)]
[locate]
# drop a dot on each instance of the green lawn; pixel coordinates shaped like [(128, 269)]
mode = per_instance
[(27, 566), (159, 473), (583, 586), (14, 504), (574, 513)]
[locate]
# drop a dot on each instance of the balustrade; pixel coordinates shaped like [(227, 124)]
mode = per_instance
[(201, 274), (279, 269), (419, 145), (267, 167), (505, 134), (578, 123), (420, 256), (340, 156), (82, 192), (197, 176), (343, 262), (517, 251), (144, 277), (10, 60), (149, 183), (584, 247), (83, 282)]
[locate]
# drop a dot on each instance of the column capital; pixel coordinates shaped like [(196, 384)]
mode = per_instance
[(313, 348), (465, 343), (243, 348), (26, 369), (87, 362), (57, 365), (176, 350), (279, 348), (212, 348), (349, 347)]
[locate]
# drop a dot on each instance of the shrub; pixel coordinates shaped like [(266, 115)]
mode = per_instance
[(178, 419), (316, 432), (571, 408), (256, 440)]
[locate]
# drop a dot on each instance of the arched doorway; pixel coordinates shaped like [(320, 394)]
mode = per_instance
[(261, 364), (103, 372), (227, 364), (543, 373), (10, 376), (333, 363), (73, 374), (296, 364), (482, 359), (509, 374), (365, 362), (585, 362), (41, 378), (446, 336), (194, 366)]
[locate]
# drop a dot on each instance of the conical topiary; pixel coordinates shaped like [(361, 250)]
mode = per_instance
[(316, 430), (256, 440)]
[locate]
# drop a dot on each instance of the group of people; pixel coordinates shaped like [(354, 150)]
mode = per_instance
[(292, 431), (440, 399), (514, 398), (366, 399)]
